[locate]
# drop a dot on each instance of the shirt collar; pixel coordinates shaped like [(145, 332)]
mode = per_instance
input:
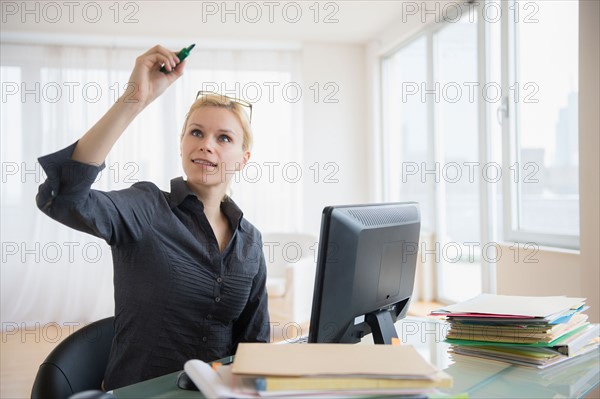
[(180, 191)]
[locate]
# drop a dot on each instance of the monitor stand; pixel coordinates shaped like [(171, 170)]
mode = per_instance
[(382, 326)]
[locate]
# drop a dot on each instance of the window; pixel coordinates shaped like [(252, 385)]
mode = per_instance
[(430, 149), (457, 159), (480, 126), (10, 105), (407, 129), (542, 85)]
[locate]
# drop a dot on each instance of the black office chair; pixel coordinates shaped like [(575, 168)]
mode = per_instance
[(77, 364)]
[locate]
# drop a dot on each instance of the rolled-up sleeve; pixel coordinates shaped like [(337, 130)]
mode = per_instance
[(118, 217)]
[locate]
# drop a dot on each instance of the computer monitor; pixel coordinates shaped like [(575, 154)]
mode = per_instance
[(365, 271)]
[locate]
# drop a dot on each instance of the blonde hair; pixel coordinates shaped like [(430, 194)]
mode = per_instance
[(222, 101)]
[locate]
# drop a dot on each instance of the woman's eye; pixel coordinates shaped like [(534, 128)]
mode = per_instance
[(225, 138), (196, 133)]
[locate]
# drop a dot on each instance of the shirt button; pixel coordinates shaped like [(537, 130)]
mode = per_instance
[(219, 280), (204, 339), (209, 317), (53, 193), (218, 299)]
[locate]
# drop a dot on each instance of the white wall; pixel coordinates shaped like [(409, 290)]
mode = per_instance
[(334, 133), (538, 272)]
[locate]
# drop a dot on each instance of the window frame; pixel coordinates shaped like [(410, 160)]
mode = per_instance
[(510, 154)]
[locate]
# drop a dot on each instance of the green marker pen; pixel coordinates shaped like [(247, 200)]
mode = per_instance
[(182, 55)]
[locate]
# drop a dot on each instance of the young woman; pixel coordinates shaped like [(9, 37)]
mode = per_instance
[(189, 271)]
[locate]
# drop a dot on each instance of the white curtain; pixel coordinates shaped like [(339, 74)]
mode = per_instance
[(51, 95)]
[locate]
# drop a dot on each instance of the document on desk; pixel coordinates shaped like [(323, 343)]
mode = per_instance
[(512, 306), (329, 368), (213, 383), (535, 334), (532, 331), (331, 359), (319, 369)]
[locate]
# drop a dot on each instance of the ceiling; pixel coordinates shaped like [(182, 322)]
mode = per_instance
[(295, 21)]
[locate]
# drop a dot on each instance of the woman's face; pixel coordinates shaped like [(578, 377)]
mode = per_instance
[(211, 147)]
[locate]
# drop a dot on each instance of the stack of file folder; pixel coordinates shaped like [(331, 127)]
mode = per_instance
[(530, 331), (271, 370)]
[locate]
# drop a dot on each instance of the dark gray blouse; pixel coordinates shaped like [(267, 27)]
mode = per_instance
[(177, 297)]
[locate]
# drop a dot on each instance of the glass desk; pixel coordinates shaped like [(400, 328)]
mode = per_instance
[(473, 378)]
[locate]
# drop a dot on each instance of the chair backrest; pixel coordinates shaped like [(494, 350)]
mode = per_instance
[(77, 364)]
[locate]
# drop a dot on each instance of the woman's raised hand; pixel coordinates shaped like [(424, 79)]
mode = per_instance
[(147, 82)]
